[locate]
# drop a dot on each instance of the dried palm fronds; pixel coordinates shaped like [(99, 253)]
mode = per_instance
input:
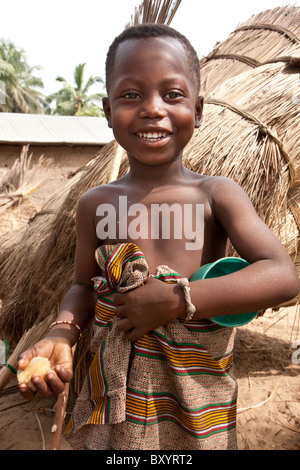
[(16, 186), (265, 37), (36, 275), (154, 11), (271, 37), (251, 133), (51, 232)]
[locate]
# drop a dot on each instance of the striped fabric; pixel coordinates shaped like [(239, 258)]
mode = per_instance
[(172, 389)]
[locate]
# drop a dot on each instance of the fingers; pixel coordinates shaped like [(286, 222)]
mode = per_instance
[(124, 324), (25, 358), (65, 373), (136, 333), (120, 311), (132, 333), (119, 299), (53, 384), (26, 392), (60, 356)]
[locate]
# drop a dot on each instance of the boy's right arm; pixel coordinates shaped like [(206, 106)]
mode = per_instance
[(77, 307)]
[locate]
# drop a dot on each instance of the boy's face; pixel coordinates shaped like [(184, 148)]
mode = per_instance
[(152, 105)]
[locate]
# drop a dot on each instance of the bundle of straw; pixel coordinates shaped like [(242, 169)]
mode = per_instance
[(154, 11), (37, 273), (250, 132), (265, 37), (16, 186), (39, 270)]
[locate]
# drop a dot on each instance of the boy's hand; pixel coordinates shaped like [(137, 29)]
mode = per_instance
[(59, 353), (149, 306)]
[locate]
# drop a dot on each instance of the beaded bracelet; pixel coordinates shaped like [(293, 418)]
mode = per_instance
[(190, 308), (65, 322)]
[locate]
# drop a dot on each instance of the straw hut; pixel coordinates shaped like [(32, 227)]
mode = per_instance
[(264, 38), (250, 129), (249, 132)]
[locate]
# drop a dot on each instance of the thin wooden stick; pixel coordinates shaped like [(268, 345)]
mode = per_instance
[(41, 429), (270, 326), (241, 410), (60, 413), (116, 164)]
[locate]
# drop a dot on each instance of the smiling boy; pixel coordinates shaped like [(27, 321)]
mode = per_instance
[(159, 380)]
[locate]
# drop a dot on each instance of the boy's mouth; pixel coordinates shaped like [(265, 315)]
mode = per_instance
[(152, 136)]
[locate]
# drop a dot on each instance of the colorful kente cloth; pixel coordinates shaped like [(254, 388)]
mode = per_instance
[(173, 389)]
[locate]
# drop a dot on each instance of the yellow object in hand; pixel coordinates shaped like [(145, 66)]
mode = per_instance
[(37, 365)]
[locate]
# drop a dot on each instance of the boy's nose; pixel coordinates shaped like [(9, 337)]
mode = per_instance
[(153, 108)]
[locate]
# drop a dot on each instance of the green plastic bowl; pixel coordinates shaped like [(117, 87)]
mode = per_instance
[(219, 268)]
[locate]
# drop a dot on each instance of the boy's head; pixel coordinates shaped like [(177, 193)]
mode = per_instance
[(153, 104), (153, 30)]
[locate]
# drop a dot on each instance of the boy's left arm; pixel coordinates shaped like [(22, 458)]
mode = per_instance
[(269, 280), (271, 277)]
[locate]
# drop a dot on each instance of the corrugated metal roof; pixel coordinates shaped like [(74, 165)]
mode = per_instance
[(44, 129)]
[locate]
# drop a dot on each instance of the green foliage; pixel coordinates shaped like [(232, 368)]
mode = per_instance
[(20, 87), (76, 100)]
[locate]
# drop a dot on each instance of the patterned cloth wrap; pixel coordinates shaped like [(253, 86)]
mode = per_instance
[(172, 389)]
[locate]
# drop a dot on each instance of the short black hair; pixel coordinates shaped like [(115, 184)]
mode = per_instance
[(153, 30)]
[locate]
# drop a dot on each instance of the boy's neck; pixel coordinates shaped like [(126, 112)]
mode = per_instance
[(155, 175)]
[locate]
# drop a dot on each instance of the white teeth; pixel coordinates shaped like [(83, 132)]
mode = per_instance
[(152, 135)]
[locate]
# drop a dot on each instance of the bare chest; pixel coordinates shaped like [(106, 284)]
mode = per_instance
[(178, 233)]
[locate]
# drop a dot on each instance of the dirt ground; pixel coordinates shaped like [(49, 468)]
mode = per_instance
[(268, 403), (268, 380)]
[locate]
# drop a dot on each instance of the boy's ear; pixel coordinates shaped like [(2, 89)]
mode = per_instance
[(107, 110), (198, 110)]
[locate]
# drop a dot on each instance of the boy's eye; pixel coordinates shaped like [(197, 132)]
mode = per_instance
[(173, 95), (131, 96)]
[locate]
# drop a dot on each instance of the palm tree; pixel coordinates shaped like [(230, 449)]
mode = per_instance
[(19, 84), (75, 100)]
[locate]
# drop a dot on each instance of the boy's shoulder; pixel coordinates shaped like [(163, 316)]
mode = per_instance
[(222, 192), (98, 194), (216, 183), (211, 184), (215, 188)]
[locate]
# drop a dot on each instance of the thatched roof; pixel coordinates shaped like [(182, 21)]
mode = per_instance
[(251, 126), (264, 38), (250, 132)]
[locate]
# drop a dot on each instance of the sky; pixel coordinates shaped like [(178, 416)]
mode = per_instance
[(57, 35)]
